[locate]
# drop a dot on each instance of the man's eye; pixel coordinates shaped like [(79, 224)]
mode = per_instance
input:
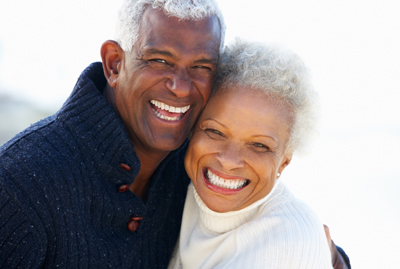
[(158, 61), (202, 67), (214, 134)]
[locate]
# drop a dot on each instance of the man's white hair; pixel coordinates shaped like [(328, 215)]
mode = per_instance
[(131, 13), (280, 74)]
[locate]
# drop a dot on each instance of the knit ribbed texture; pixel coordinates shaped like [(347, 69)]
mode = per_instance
[(59, 204), (277, 232)]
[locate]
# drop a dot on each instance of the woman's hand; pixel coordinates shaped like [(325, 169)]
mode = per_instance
[(337, 259)]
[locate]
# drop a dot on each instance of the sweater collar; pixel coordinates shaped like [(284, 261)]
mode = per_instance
[(220, 223), (87, 115)]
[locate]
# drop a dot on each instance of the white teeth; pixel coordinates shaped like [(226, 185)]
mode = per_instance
[(225, 183), (171, 109), (165, 117)]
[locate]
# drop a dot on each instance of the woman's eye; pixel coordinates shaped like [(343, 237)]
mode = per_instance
[(261, 147), (214, 134)]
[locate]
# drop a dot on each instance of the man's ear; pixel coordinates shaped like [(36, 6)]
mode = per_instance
[(111, 55)]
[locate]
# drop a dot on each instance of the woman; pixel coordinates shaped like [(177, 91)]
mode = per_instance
[(237, 213)]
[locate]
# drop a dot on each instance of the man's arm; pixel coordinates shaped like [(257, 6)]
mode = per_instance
[(20, 242), (339, 258)]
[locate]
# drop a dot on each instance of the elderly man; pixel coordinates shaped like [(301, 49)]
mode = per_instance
[(101, 183)]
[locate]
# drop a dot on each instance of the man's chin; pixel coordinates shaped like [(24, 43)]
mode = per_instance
[(168, 138), (168, 144)]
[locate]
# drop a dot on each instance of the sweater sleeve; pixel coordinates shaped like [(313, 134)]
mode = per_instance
[(288, 236), (21, 245), (345, 258)]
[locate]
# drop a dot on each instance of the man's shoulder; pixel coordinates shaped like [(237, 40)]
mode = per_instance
[(37, 148), (36, 134), (27, 136)]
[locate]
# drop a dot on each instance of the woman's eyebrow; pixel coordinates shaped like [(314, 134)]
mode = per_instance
[(213, 120), (265, 136)]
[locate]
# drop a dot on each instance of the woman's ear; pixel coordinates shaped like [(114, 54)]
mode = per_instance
[(111, 55), (285, 162)]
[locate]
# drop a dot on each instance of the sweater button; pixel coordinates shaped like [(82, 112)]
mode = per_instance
[(123, 188), (133, 223), (125, 167)]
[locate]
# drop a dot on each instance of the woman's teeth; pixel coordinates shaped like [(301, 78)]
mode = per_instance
[(225, 183)]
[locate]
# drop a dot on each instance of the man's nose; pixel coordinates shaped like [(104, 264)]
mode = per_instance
[(231, 157), (179, 83)]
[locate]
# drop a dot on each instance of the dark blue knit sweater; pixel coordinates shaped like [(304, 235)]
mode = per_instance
[(59, 204)]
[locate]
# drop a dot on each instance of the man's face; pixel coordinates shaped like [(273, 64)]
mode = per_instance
[(165, 81)]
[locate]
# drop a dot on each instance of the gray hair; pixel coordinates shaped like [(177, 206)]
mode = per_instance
[(131, 13), (278, 73)]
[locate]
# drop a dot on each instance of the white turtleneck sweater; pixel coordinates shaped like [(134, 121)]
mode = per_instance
[(278, 231)]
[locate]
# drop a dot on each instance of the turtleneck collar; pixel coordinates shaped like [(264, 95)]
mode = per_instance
[(219, 223)]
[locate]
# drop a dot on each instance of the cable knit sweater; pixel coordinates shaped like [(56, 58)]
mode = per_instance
[(59, 201), (277, 232)]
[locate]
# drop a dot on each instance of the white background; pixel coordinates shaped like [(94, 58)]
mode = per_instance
[(350, 178)]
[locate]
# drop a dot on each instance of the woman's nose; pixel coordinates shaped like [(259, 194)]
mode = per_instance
[(231, 157)]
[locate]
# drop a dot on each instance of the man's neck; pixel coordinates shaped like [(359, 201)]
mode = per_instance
[(148, 164), (109, 94)]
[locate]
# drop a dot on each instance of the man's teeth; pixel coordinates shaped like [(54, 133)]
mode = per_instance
[(168, 108), (225, 183), (164, 117)]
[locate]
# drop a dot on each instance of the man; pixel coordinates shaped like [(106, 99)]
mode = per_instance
[(101, 182)]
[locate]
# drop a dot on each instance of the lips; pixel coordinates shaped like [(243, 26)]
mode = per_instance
[(223, 184), (168, 112)]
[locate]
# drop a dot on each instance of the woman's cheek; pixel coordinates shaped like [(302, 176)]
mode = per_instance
[(188, 163), (193, 156)]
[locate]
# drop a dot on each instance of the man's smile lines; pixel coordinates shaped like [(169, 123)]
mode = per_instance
[(225, 183)]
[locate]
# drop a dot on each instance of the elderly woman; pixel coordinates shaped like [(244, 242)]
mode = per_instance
[(238, 214)]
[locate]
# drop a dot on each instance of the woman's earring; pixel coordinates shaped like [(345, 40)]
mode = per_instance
[(278, 175)]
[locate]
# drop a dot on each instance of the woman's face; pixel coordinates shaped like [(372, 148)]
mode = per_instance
[(237, 148)]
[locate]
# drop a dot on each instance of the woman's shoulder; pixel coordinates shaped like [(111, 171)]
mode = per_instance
[(286, 231), (284, 206)]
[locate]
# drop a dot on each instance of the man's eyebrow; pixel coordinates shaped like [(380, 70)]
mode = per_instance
[(157, 51)]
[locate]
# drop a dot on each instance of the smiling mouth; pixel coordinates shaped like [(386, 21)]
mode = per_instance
[(224, 183), (167, 112)]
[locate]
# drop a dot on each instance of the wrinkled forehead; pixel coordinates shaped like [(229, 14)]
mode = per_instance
[(157, 19), (265, 95), (185, 37)]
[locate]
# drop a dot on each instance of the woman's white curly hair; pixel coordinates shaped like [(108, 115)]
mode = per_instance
[(280, 74), (131, 13)]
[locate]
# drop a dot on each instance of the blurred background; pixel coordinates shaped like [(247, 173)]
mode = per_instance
[(351, 176)]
